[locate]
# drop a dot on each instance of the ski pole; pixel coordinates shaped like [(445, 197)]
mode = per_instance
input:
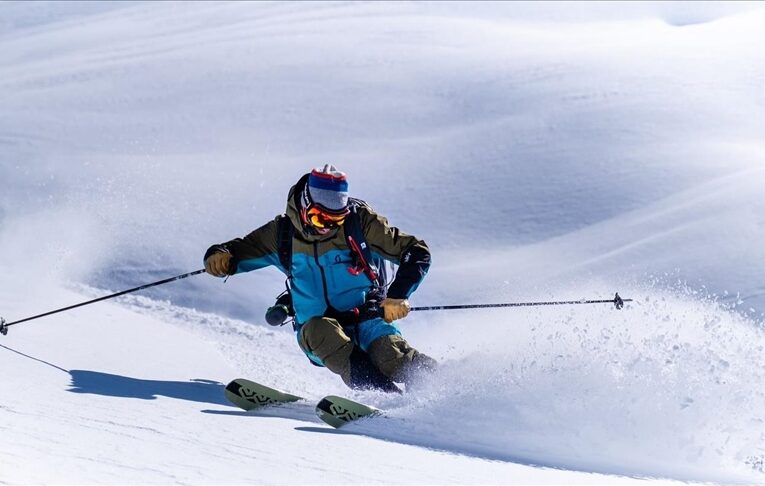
[(617, 301), (4, 326), (373, 309)]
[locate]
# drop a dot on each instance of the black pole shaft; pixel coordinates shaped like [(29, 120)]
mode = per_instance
[(514, 304), (142, 287)]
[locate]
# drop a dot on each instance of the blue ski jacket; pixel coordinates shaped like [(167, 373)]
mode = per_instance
[(321, 276)]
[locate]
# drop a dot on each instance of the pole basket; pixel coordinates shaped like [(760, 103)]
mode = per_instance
[(618, 302), (3, 327)]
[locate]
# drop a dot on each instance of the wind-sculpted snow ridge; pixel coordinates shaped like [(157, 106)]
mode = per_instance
[(557, 126)]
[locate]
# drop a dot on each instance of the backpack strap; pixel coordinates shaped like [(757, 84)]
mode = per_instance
[(285, 232), (354, 237), (357, 243)]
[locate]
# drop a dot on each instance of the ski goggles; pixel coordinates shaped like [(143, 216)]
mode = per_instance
[(324, 220)]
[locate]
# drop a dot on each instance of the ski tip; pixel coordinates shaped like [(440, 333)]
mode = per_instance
[(338, 411), (250, 395)]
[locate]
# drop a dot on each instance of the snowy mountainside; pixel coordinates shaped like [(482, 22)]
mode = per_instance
[(544, 152)]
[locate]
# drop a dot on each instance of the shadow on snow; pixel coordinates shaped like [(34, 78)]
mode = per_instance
[(97, 383)]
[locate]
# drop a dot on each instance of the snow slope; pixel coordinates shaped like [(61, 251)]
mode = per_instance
[(130, 398), (550, 151)]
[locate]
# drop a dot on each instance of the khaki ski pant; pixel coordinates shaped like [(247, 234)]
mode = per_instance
[(326, 338)]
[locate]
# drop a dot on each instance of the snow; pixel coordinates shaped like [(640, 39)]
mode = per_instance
[(544, 151)]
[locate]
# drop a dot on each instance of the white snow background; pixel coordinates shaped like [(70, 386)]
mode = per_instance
[(547, 151)]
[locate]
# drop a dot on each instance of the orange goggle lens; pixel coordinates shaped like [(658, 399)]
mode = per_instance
[(321, 219)]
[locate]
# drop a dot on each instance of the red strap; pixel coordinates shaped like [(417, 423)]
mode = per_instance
[(356, 249)]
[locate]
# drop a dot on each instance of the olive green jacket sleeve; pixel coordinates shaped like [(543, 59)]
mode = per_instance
[(410, 253), (256, 250)]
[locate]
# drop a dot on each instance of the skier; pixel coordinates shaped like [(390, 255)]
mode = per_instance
[(333, 250)]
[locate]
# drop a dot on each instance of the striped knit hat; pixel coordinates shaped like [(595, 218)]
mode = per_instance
[(329, 189)]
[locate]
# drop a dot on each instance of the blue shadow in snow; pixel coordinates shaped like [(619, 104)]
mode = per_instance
[(97, 383)]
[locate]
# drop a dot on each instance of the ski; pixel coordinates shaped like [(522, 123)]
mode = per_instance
[(249, 395), (338, 411), (333, 410)]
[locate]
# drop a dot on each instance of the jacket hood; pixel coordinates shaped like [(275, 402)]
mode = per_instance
[(293, 212)]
